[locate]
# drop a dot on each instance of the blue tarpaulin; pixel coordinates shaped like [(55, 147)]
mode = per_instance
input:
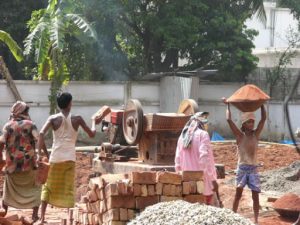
[(216, 137), (288, 142)]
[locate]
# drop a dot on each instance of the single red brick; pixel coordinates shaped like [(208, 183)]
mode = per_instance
[(137, 190), (169, 178), (143, 202), (121, 202), (159, 188), (192, 175), (169, 198), (130, 214), (194, 198), (112, 214), (143, 177), (151, 189), (123, 214)]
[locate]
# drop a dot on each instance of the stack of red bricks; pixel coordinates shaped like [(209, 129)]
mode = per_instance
[(115, 199)]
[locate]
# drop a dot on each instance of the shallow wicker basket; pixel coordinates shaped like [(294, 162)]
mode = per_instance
[(165, 121)]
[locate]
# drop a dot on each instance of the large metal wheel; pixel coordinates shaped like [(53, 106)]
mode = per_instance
[(115, 134), (133, 121), (188, 107)]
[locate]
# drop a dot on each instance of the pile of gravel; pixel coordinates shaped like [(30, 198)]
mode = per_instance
[(184, 213), (282, 180)]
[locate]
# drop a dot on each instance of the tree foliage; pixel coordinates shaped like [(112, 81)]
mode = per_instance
[(49, 29), (280, 74), (151, 36), (13, 17), (136, 37)]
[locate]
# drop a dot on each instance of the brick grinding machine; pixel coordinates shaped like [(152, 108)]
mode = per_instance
[(151, 138), (155, 133)]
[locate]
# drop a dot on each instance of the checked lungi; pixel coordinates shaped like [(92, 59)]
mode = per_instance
[(59, 190)]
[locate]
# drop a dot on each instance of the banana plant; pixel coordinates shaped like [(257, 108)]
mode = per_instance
[(47, 42), (12, 45), (18, 54)]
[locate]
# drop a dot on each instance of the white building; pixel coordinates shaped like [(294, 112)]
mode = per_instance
[(272, 36)]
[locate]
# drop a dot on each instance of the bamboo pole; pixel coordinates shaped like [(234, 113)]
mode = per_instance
[(10, 82)]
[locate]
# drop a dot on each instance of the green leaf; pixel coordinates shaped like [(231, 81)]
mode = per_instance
[(43, 47), (12, 45), (57, 33), (82, 24), (34, 36)]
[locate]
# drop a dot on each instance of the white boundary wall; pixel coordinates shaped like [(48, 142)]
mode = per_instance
[(88, 97), (164, 96)]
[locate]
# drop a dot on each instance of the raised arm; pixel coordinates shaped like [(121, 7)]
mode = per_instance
[(90, 131), (262, 121), (235, 130)]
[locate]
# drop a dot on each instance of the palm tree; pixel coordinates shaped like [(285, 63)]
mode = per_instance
[(48, 39), (257, 6), (251, 8)]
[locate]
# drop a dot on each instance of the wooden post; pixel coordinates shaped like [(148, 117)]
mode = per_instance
[(10, 82)]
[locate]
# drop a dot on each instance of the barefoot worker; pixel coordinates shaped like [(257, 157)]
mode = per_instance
[(247, 138), (59, 190), (19, 139)]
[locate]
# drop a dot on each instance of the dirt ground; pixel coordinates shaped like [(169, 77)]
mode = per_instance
[(271, 156)]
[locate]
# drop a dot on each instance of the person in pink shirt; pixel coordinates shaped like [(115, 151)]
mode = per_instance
[(194, 153)]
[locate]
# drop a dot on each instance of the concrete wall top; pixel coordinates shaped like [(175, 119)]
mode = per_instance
[(88, 97)]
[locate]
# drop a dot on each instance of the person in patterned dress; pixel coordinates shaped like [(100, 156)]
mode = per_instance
[(19, 141)]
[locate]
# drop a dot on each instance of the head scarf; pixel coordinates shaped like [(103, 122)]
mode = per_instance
[(17, 110), (247, 116), (196, 121)]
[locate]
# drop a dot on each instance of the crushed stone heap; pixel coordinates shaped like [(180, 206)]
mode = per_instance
[(284, 179), (181, 212)]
